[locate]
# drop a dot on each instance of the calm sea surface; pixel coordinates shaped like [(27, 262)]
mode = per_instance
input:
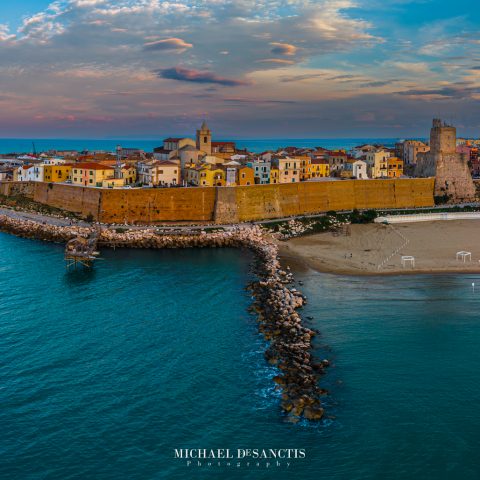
[(9, 145), (103, 373)]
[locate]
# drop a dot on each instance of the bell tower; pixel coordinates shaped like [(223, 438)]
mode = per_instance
[(204, 139)]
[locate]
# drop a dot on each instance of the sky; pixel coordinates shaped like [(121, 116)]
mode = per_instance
[(251, 68)]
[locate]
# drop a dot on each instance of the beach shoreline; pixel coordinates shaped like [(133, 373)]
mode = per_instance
[(370, 249)]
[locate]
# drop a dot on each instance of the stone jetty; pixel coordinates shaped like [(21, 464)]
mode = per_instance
[(274, 300)]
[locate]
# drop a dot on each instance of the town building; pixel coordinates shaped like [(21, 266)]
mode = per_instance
[(90, 174), (204, 139), (288, 169), (30, 173), (304, 161), (411, 149), (377, 163), (274, 175), (470, 155), (261, 171), (319, 168), (57, 173), (336, 161), (355, 168)]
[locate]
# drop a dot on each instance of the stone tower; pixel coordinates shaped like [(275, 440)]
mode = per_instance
[(453, 180), (204, 139)]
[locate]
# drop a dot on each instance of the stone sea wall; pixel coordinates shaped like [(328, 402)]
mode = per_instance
[(275, 301), (227, 204)]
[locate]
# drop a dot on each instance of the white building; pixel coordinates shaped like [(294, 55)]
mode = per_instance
[(30, 173), (360, 169)]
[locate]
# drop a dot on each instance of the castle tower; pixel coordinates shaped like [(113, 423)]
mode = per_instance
[(453, 180), (443, 138), (204, 139)]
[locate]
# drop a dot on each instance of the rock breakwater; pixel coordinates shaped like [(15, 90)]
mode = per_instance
[(275, 302)]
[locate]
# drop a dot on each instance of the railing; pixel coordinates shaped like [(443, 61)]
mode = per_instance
[(406, 241), (428, 217)]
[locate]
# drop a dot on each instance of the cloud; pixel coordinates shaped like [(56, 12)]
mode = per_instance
[(197, 76), (413, 67), (301, 78), (378, 83), (168, 44), (82, 58), (279, 61), (283, 48), (463, 90)]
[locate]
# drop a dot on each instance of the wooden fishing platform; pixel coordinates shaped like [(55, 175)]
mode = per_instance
[(82, 251)]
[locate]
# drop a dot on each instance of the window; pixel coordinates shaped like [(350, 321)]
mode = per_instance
[(91, 181), (74, 171), (205, 139), (160, 172)]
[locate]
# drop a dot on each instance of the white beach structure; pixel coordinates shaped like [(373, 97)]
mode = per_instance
[(464, 256)]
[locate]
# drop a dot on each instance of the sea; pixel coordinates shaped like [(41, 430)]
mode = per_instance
[(105, 372), (16, 145)]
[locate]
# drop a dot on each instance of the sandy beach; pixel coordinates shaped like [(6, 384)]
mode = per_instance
[(377, 248)]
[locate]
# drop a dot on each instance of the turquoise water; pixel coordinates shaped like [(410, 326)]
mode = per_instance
[(9, 145), (104, 373)]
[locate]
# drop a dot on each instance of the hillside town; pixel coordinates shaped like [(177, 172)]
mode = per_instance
[(203, 162)]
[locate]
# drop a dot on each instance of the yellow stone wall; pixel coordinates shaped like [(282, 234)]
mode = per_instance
[(227, 204)]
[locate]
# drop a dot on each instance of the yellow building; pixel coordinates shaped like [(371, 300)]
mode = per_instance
[(90, 174), (57, 173), (246, 176), (113, 183), (390, 167), (129, 174), (211, 176), (394, 167), (274, 175), (319, 168)]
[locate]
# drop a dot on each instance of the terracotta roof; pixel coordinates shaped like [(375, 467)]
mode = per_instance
[(319, 161), (165, 163), (173, 139), (92, 166)]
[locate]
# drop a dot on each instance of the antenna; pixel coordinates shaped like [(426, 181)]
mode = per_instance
[(118, 167)]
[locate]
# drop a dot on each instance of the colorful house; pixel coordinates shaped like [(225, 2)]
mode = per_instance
[(305, 162), (289, 169), (245, 176), (90, 174), (57, 173), (261, 171), (390, 167), (211, 176), (319, 168), (274, 175)]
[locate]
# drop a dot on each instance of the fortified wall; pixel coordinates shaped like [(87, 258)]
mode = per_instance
[(226, 204)]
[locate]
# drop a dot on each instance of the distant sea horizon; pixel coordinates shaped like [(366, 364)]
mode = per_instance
[(23, 145)]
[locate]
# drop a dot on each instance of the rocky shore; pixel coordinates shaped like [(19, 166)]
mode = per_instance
[(275, 302)]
